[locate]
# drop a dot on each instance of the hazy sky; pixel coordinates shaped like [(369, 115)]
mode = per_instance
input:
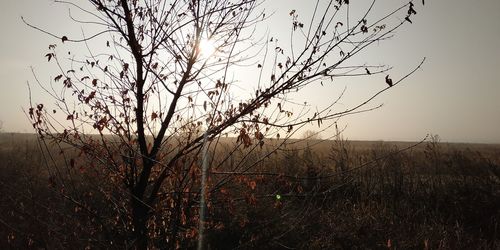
[(455, 95)]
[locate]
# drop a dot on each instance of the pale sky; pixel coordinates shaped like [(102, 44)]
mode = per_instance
[(455, 95)]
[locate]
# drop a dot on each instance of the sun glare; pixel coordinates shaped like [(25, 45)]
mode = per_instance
[(207, 47)]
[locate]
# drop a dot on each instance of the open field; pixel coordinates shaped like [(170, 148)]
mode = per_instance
[(312, 194)]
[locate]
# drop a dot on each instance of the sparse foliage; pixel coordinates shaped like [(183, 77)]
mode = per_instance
[(136, 107)]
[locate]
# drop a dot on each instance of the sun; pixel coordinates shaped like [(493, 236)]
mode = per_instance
[(207, 47)]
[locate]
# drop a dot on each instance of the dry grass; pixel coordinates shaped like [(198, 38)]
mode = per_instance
[(433, 196)]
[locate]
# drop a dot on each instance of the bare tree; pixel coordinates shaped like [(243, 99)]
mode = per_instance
[(159, 76)]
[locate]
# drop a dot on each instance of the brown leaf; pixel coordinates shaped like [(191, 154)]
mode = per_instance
[(388, 80), (67, 82), (49, 56), (252, 184), (251, 200), (90, 97), (411, 10), (364, 29)]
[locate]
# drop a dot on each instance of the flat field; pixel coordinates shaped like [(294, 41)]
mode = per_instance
[(310, 194)]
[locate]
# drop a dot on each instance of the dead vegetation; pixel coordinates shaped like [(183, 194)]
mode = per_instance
[(312, 194)]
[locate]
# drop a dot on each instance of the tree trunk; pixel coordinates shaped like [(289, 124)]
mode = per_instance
[(140, 218)]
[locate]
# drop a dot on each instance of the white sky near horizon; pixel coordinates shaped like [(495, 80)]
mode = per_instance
[(456, 94)]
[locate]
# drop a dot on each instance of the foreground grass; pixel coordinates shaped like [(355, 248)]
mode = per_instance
[(332, 195)]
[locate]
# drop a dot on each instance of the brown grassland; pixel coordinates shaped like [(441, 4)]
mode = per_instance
[(331, 194)]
